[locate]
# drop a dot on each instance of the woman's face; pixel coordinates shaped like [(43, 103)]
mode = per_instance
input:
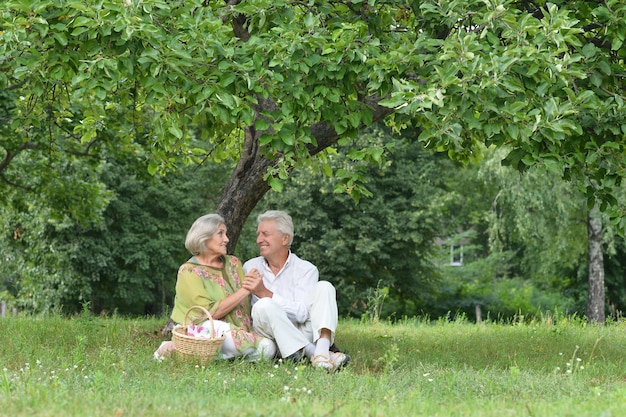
[(217, 244)]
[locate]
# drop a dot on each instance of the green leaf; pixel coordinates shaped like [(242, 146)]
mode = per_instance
[(589, 50), (83, 21), (616, 44), (153, 167), (395, 101), (262, 124), (276, 184), (327, 170), (513, 131), (596, 79), (176, 131), (354, 119), (287, 138), (60, 37), (309, 20), (265, 139), (604, 67), (79, 31)]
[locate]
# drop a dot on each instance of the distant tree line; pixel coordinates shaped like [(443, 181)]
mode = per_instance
[(395, 253)]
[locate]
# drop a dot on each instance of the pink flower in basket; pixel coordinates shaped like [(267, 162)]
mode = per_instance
[(200, 330)]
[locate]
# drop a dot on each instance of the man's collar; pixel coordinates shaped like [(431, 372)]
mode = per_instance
[(267, 264)]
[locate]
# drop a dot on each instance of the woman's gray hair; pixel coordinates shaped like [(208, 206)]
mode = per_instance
[(284, 223), (203, 229)]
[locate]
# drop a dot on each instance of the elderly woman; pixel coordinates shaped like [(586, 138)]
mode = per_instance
[(212, 279)]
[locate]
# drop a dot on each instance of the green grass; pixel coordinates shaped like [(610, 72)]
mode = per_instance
[(88, 366)]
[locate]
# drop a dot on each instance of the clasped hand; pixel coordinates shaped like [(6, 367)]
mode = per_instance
[(253, 282)]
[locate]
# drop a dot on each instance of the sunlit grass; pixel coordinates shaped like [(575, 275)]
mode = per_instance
[(88, 366)]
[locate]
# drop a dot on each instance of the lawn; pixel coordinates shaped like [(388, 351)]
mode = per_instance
[(103, 366)]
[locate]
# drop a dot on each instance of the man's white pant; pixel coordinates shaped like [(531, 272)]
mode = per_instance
[(271, 321)]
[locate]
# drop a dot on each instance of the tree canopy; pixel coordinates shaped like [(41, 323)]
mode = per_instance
[(272, 83)]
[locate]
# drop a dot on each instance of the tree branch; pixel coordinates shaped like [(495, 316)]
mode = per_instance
[(238, 21), (326, 135), (11, 155)]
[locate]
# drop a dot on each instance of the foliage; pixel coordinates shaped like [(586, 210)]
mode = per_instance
[(386, 238), (523, 236), (545, 79), (545, 218), (499, 297), (127, 261), (168, 83), (531, 252), (103, 366), (37, 273), (537, 210), (134, 256)]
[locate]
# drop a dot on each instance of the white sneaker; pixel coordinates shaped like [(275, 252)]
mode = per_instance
[(339, 360), (334, 362), (322, 361)]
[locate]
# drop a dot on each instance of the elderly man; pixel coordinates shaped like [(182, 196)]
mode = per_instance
[(290, 304)]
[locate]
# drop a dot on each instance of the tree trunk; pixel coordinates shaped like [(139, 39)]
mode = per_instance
[(595, 299), (246, 186)]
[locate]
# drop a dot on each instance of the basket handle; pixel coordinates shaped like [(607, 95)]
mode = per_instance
[(206, 313)]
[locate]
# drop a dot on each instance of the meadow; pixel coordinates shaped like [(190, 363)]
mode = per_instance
[(103, 366)]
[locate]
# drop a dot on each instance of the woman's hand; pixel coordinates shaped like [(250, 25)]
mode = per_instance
[(226, 305)]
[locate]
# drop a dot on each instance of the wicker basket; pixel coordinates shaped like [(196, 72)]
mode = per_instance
[(201, 348)]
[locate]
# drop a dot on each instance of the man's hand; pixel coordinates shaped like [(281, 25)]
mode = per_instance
[(253, 282)]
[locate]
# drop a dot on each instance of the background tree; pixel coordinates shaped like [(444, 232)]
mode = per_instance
[(524, 236), (538, 223), (596, 303), (384, 241), (124, 260), (129, 261), (277, 82)]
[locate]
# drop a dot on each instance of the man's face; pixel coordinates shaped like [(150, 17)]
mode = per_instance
[(270, 240)]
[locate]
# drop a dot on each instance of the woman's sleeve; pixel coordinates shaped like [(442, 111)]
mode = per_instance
[(191, 291), (239, 274)]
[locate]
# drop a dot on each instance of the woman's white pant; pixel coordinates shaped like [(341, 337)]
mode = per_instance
[(265, 350)]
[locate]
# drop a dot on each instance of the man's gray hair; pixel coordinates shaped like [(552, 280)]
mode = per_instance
[(203, 229), (284, 223)]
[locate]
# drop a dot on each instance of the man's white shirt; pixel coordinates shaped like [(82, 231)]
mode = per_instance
[(292, 286)]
